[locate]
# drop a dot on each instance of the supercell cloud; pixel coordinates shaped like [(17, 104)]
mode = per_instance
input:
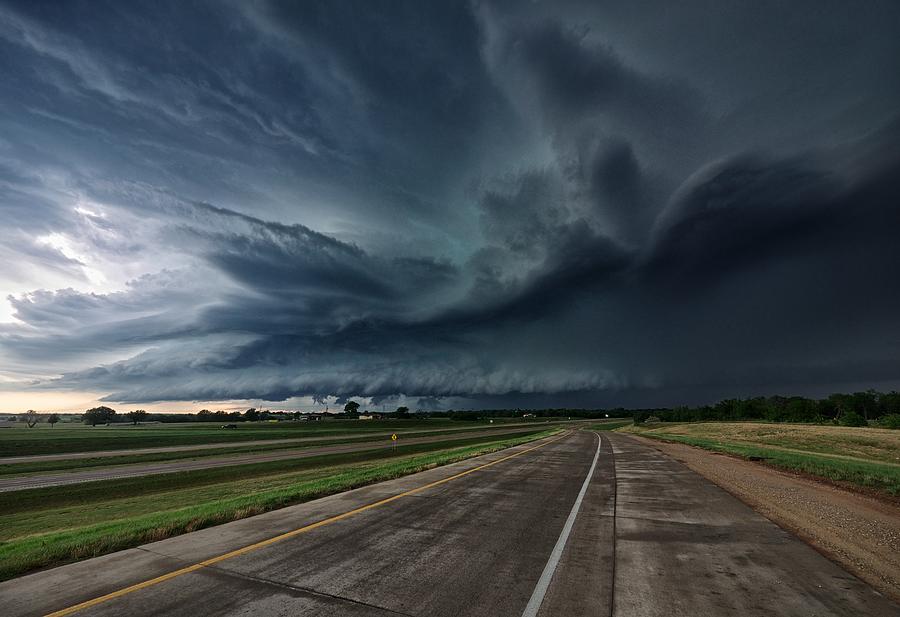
[(460, 204)]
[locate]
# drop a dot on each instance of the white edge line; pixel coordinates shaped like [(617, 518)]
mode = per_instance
[(540, 590)]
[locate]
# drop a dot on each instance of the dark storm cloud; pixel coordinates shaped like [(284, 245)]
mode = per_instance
[(575, 79), (741, 210), (465, 204)]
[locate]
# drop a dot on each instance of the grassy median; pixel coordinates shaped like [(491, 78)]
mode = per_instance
[(868, 458), (47, 527), (77, 464), (44, 439), (608, 425)]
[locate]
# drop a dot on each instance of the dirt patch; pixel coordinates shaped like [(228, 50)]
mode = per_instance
[(860, 533)]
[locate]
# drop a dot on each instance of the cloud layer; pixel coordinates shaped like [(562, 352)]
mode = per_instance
[(469, 204)]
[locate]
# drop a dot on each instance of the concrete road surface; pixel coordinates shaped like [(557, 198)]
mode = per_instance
[(134, 470), (558, 529)]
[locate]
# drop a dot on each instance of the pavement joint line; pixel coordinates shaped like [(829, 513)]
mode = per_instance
[(543, 584), (615, 532), (685, 524), (306, 590), (290, 534), (157, 553)]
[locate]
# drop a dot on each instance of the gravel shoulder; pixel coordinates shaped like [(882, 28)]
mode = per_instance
[(860, 533)]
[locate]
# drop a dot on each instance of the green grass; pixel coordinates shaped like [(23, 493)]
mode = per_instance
[(18, 469), (47, 527), (32, 499), (882, 477), (42, 439), (859, 443), (609, 425)]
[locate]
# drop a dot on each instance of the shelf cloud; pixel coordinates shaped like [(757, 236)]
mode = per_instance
[(464, 204)]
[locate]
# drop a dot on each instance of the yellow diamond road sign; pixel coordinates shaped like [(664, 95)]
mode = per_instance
[(394, 437)]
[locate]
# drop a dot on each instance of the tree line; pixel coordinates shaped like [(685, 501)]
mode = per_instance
[(856, 409), (107, 415)]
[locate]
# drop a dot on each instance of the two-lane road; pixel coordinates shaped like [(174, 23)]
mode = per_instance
[(550, 528)]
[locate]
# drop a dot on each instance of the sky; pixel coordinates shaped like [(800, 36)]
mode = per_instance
[(447, 204)]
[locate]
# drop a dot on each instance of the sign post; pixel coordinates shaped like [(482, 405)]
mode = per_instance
[(393, 441)]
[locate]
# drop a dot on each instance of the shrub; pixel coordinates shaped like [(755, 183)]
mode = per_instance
[(851, 418), (892, 420)]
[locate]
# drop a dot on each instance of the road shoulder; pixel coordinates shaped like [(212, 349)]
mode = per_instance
[(860, 533)]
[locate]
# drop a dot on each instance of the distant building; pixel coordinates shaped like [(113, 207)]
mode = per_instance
[(366, 416)]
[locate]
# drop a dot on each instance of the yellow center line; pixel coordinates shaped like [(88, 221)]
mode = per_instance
[(290, 534)]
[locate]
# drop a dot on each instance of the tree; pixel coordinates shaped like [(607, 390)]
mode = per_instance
[(851, 418), (351, 407), (403, 412), (99, 415), (136, 416), (866, 402), (892, 420), (31, 418), (93, 416), (251, 415), (52, 419)]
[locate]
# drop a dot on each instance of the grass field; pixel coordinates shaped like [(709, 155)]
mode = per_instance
[(16, 469), (51, 526), (42, 439), (608, 425), (72, 437), (864, 457)]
